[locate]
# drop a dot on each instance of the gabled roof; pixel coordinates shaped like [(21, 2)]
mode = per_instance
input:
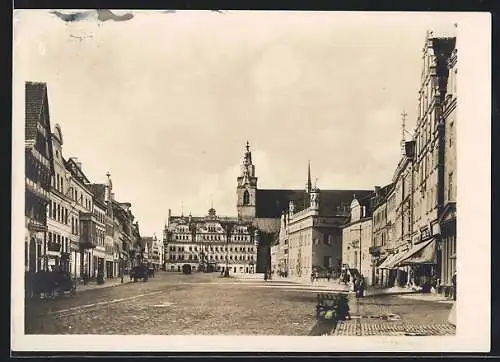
[(76, 171), (35, 95), (271, 203)]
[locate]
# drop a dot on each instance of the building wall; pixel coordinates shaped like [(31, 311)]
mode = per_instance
[(356, 243), (192, 241)]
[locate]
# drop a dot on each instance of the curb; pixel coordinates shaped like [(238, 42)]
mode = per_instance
[(103, 287)]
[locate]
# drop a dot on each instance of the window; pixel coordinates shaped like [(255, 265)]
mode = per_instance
[(246, 198)]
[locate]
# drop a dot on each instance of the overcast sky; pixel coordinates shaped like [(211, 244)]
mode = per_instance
[(166, 101)]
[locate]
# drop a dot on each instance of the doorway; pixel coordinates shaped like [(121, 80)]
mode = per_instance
[(32, 257)]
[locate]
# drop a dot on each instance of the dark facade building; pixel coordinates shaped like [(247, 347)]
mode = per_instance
[(38, 172)]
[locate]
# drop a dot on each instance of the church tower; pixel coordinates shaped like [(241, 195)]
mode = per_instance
[(247, 188)]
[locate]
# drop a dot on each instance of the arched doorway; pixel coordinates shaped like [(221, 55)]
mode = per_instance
[(32, 255)]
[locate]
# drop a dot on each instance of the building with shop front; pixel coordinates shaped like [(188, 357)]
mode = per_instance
[(82, 206), (124, 237), (103, 255), (357, 238), (39, 169), (418, 204)]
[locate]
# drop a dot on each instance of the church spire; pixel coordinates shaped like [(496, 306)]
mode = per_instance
[(309, 184)]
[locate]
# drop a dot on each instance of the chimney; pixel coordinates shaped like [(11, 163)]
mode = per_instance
[(377, 190)]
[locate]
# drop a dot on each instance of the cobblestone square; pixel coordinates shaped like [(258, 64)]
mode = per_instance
[(205, 304)]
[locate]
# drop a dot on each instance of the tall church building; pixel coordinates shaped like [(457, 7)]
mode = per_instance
[(247, 188), (259, 213)]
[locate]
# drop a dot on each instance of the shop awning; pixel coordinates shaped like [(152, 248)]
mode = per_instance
[(387, 263), (423, 253)]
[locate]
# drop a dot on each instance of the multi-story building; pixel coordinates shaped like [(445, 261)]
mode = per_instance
[(39, 169), (357, 238), (448, 157), (210, 243), (62, 243), (98, 218), (103, 253), (263, 208), (81, 197), (315, 234), (422, 179), (123, 234), (381, 232), (152, 251)]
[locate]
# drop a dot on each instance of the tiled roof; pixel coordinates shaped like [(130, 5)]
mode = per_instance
[(76, 172), (270, 203), (99, 192), (35, 94)]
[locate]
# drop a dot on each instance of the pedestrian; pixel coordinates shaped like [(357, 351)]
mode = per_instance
[(454, 282), (361, 287)]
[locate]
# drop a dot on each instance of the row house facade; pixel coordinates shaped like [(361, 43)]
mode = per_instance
[(61, 214), (69, 220), (414, 218), (210, 243), (39, 169)]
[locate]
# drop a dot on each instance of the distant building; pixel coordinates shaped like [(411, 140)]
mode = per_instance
[(210, 243), (263, 208), (39, 169), (152, 251)]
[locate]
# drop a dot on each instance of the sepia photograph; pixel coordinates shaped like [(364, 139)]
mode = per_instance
[(220, 173)]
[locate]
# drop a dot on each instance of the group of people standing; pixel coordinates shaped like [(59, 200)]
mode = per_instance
[(358, 284)]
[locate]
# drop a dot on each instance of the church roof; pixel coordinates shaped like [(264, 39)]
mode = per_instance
[(271, 203)]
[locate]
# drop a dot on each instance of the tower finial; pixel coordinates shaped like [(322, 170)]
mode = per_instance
[(248, 146), (403, 129)]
